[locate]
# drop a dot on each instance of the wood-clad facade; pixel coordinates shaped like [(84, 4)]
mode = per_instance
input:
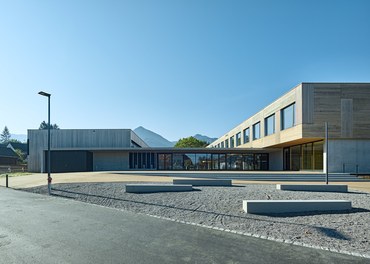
[(346, 108), (97, 149)]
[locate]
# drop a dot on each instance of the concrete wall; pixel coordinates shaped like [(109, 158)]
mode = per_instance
[(276, 160), (351, 153), (110, 160)]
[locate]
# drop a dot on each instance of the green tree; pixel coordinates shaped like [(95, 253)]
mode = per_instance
[(13, 140), (190, 142), (44, 125), (5, 135), (21, 156)]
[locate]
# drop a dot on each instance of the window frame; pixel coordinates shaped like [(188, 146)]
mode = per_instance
[(282, 117), (254, 130), (273, 125)]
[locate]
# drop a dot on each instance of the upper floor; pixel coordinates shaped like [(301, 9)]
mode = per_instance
[(299, 116)]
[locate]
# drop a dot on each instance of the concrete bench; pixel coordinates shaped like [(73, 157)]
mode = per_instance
[(204, 182), (151, 188), (294, 206), (312, 187)]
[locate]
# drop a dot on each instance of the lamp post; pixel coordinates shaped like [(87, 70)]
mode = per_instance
[(49, 168), (327, 152)]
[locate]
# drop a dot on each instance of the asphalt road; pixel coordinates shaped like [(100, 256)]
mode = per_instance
[(43, 229)]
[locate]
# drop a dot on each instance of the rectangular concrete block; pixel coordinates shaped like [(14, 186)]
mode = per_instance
[(313, 187), (204, 182), (150, 188), (294, 206)]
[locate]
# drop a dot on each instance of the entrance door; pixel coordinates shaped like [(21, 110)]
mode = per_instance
[(286, 158)]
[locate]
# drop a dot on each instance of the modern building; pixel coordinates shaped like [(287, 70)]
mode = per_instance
[(288, 134), (295, 124), (82, 149), (75, 150)]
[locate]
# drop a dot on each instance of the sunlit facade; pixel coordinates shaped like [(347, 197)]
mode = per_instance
[(294, 124), (288, 134)]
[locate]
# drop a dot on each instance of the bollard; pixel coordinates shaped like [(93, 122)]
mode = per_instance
[(7, 181)]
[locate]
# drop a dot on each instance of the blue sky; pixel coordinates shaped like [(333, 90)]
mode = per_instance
[(175, 67)]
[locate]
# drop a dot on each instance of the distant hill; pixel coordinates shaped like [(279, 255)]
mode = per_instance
[(151, 138), (205, 138), (20, 137)]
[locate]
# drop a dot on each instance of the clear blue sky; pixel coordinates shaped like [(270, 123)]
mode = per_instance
[(175, 67)]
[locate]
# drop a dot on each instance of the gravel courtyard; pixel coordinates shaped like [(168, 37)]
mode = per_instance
[(222, 207)]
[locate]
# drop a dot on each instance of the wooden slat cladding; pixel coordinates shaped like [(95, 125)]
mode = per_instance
[(308, 103), (347, 118), (346, 107)]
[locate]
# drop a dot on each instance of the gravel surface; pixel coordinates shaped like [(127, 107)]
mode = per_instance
[(222, 207)]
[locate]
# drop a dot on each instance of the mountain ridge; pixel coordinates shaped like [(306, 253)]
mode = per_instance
[(155, 140)]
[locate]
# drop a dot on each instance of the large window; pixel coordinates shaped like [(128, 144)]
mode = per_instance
[(256, 131), (246, 135), (238, 139), (270, 125), (307, 156), (288, 117), (222, 144), (226, 143), (232, 143)]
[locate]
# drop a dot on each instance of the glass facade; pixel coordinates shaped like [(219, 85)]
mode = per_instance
[(256, 130), (142, 160), (270, 125), (288, 117), (246, 135), (307, 156), (199, 161)]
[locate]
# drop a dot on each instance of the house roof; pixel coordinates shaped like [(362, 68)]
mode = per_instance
[(7, 152), (21, 146)]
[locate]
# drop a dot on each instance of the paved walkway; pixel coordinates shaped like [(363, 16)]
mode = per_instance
[(39, 179), (47, 229)]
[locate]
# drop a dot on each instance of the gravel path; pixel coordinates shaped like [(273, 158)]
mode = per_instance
[(222, 207)]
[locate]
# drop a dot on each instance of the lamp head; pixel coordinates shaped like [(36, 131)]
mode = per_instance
[(44, 94)]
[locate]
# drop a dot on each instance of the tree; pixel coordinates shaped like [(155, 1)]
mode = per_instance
[(13, 140), (21, 155), (44, 125), (5, 135), (190, 142)]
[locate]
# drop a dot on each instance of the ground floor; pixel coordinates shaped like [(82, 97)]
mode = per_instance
[(156, 159), (344, 156)]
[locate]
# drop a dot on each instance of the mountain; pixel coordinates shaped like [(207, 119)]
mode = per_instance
[(20, 137), (151, 138), (204, 138)]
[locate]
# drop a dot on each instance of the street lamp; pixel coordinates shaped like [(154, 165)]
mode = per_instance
[(49, 168), (327, 151)]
